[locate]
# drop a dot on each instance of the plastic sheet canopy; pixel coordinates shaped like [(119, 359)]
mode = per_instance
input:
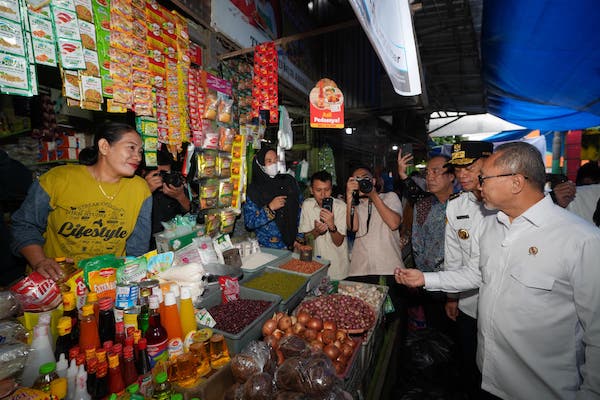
[(541, 62)]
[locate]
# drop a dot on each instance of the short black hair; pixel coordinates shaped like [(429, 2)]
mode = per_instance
[(589, 170), (322, 176), (365, 167)]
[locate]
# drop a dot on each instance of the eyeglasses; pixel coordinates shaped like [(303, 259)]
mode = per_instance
[(483, 178)]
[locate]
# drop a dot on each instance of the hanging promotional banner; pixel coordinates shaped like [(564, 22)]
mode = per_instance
[(388, 25), (326, 105)]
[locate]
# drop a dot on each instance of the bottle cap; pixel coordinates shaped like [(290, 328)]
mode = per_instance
[(128, 352), (120, 327), (64, 326), (80, 359), (60, 259), (113, 360), (117, 348), (101, 369), (101, 355), (161, 377), (129, 341), (73, 352), (170, 299), (185, 293), (68, 299), (105, 303), (92, 365), (113, 396), (157, 291), (88, 309), (133, 388), (90, 353), (142, 344), (47, 368), (107, 345), (154, 302), (92, 297)]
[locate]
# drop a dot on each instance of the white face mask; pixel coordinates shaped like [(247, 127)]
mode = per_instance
[(270, 170)]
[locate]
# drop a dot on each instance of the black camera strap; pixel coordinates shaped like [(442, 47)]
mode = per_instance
[(369, 211)]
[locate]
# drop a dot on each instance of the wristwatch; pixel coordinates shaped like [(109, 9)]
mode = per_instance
[(334, 230)]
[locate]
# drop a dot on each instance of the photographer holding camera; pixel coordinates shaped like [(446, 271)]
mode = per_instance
[(375, 218), (169, 196)]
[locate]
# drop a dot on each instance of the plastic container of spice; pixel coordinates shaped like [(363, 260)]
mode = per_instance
[(314, 278), (290, 286), (236, 342)]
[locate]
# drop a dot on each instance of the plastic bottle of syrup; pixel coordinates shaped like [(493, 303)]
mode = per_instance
[(172, 321), (88, 336), (64, 342), (106, 320), (156, 335), (186, 313)]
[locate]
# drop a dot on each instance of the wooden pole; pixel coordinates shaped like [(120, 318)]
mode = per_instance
[(293, 38)]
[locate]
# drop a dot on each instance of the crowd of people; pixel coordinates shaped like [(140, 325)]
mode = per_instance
[(496, 263)]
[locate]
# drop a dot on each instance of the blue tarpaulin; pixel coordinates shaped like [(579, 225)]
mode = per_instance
[(541, 62)]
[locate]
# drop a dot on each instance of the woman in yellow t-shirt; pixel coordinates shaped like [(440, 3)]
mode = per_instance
[(85, 210)]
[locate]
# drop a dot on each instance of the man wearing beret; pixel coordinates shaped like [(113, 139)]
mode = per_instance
[(464, 211)]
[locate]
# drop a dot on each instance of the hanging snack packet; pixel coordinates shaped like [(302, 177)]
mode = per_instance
[(211, 106), (224, 109), (230, 289), (209, 194), (227, 220), (223, 166), (225, 193), (206, 164), (226, 136)]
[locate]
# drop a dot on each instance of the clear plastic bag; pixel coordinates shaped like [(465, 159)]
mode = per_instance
[(8, 305), (13, 356)]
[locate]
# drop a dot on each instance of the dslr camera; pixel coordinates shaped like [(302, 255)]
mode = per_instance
[(173, 178), (365, 184)]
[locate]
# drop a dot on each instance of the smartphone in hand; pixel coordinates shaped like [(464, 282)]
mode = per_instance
[(328, 203), (407, 148)]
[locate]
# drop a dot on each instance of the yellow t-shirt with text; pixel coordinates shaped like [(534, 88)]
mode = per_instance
[(83, 222)]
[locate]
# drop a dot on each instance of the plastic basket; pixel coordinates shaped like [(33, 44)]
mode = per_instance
[(286, 305), (236, 342), (315, 278)]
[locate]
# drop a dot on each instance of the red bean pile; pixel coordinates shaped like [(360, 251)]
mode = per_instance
[(348, 312), (234, 316)]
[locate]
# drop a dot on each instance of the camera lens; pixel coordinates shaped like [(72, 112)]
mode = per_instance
[(365, 185)]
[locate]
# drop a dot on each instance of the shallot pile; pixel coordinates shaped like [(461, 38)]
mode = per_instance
[(347, 312), (285, 334)]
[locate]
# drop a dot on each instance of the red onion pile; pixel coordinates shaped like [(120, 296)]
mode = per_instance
[(347, 312)]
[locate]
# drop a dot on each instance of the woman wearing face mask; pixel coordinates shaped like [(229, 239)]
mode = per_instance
[(272, 207)]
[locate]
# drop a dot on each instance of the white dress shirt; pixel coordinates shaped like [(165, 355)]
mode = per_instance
[(323, 245), (463, 214), (539, 303)]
